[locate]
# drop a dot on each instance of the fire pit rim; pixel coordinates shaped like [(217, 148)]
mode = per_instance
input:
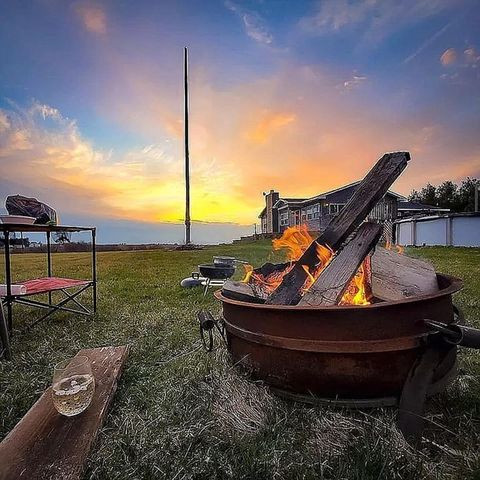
[(454, 285)]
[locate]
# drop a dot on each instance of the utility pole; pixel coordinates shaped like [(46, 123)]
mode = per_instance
[(187, 159)]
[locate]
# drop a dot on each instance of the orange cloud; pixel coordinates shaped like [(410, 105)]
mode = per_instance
[(269, 124), (448, 57), (295, 131), (93, 18)]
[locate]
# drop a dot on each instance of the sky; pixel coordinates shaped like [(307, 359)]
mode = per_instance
[(300, 97)]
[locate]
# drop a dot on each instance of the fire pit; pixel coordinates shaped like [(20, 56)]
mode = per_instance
[(347, 321), (338, 352)]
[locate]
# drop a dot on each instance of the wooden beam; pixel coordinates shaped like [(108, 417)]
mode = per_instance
[(370, 190), (45, 444), (330, 286), (396, 277), (244, 292)]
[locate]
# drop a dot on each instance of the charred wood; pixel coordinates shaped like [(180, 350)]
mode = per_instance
[(332, 282), (243, 292)]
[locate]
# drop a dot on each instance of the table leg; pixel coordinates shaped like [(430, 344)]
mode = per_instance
[(49, 264), (8, 281), (4, 337), (94, 269)]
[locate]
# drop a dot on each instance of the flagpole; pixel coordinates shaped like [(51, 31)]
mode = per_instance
[(187, 159)]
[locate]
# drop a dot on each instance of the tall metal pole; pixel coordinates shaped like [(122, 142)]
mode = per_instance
[(187, 159)]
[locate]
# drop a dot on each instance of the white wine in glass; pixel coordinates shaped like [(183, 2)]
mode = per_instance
[(73, 386)]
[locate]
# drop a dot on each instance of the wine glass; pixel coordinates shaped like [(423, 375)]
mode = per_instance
[(73, 385)]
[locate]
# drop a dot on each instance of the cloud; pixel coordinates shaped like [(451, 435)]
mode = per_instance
[(463, 67), (49, 152), (448, 57), (253, 23), (471, 57), (93, 18), (354, 82), (294, 130), (268, 125), (428, 42), (377, 18), (4, 122)]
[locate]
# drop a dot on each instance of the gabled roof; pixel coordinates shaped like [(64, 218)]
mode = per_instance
[(300, 202), (354, 184)]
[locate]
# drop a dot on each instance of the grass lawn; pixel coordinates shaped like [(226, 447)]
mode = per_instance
[(181, 413)]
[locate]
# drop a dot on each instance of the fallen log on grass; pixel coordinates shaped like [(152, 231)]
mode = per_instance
[(370, 190), (332, 282)]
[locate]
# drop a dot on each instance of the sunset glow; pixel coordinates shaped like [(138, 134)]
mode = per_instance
[(91, 101)]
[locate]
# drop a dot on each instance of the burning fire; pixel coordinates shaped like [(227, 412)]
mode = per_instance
[(359, 291), (389, 246), (295, 240)]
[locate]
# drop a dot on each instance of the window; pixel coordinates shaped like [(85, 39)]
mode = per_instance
[(335, 208)]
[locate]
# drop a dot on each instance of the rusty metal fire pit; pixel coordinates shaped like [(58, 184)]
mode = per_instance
[(360, 353)]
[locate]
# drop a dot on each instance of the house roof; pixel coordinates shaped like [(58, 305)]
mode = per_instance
[(407, 205), (301, 202)]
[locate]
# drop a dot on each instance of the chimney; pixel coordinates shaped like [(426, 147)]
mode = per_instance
[(271, 213)]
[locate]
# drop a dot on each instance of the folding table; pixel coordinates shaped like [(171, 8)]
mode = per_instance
[(70, 287)]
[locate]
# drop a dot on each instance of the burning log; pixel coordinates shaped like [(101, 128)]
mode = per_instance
[(396, 277), (244, 292), (368, 193), (333, 281)]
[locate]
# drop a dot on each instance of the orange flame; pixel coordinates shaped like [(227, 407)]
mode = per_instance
[(359, 291), (399, 248), (295, 240)]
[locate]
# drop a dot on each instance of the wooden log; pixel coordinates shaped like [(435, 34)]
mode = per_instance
[(268, 268), (370, 190), (244, 292), (47, 445), (331, 284), (396, 277)]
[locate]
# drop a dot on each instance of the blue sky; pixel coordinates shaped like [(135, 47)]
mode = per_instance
[(296, 96)]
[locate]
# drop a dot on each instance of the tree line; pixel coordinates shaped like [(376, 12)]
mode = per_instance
[(458, 198)]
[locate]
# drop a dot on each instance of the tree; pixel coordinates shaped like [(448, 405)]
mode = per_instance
[(427, 195), (448, 195), (466, 194), (62, 237)]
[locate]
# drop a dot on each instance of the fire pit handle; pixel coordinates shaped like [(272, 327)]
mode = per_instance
[(207, 325), (456, 333)]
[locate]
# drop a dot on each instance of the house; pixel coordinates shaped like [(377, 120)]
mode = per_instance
[(407, 208), (316, 212)]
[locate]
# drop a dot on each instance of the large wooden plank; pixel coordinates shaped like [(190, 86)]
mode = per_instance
[(331, 284), (370, 190), (47, 445), (396, 277)]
